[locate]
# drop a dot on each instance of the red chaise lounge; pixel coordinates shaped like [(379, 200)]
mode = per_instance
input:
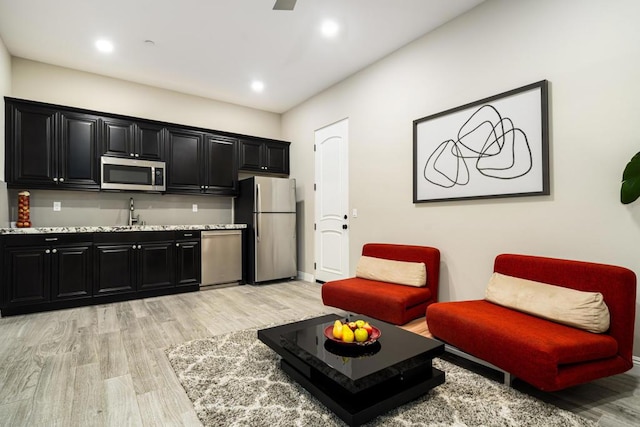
[(546, 354), (389, 302)]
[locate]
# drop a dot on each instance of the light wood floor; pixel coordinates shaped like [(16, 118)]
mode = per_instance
[(105, 365)]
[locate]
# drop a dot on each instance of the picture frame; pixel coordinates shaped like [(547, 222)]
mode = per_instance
[(494, 147)]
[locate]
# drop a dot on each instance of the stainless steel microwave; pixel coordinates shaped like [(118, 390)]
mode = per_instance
[(132, 174)]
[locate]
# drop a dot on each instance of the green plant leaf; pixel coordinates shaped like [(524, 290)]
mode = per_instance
[(630, 190)]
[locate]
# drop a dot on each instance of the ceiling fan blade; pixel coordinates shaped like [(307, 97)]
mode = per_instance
[(284, 5)]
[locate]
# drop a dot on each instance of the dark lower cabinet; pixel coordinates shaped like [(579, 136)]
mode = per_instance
[(131, 262), (48, 271), (114, 268), (43, 268), (156, 265), (71, 271), (27, 275), (189, 262)]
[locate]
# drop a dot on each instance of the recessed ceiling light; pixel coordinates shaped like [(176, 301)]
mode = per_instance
[(257, 86), (104, 46), (330, 28)]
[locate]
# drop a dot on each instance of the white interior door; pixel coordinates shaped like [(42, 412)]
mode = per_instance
[(332, 202)]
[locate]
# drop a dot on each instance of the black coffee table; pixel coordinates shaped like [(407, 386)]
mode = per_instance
[(356, 383)]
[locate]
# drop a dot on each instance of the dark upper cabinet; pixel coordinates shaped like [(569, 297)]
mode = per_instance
[(201, 163), (149, 138), (31, 144), (184, 157), (49, 148), (55, 147), (125, 138), (268, 157), (221, 165), (77, 151)]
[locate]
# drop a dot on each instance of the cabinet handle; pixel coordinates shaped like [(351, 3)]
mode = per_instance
[(47, 251), (134, 246), (50, 239), (54, 251), (206, 186), (55, 179), (177, 244), (139, 246), (188, 234), (131, 154), (61, 179), (137, 155)]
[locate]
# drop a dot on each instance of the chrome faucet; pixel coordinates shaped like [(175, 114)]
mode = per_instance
[(132, 219)]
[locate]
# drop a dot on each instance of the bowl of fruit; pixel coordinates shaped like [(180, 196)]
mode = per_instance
[(352, 333)]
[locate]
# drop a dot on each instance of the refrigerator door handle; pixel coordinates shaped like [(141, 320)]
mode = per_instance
[(258, 199), (259, 220)]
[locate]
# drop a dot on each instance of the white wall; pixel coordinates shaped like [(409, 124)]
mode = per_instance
[(48, 83), (5, 90), (589, 51)]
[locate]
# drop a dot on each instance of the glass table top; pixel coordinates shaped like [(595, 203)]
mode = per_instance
[(395, 349)]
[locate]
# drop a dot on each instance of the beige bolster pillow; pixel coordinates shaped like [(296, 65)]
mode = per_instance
[(386, 270), (583, 310)]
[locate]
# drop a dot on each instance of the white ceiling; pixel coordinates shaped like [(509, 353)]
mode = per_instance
[(215, 48)]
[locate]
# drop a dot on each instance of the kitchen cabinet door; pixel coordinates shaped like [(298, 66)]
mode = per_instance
[(156, 265), (50, 148), (114, 268), (266, 157), (276, 158), (137, 140), (77, 165), (149, 141), (27, 275), (250, 155), (221, 166), (31, 145), (72, 272), (188, 267), (184, 157), (118, 137)]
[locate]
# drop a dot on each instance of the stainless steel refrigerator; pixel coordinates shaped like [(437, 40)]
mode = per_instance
[(268, 207)]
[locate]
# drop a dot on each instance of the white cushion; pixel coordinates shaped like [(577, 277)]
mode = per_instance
[(583, 310), (386, 270)]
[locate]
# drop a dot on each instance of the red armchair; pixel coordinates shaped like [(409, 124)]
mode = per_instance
[(388, 302), (547, 355)]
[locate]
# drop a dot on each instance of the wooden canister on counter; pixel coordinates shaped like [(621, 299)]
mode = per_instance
[(24, 219)]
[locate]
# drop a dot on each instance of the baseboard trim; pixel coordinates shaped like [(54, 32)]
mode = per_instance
[(306, 277), (636, 360)]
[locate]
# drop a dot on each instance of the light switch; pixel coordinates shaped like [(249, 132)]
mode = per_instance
[(194, 207), (57, 206), (354, 213)]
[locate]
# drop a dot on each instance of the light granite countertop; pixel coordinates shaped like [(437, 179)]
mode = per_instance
[(120, 228)]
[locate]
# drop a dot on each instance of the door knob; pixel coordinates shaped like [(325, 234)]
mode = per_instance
[(345, 217)]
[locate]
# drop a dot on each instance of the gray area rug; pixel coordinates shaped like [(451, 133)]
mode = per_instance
[(235, 380)]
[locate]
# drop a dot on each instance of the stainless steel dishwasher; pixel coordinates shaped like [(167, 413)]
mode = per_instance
[(221, 257)]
